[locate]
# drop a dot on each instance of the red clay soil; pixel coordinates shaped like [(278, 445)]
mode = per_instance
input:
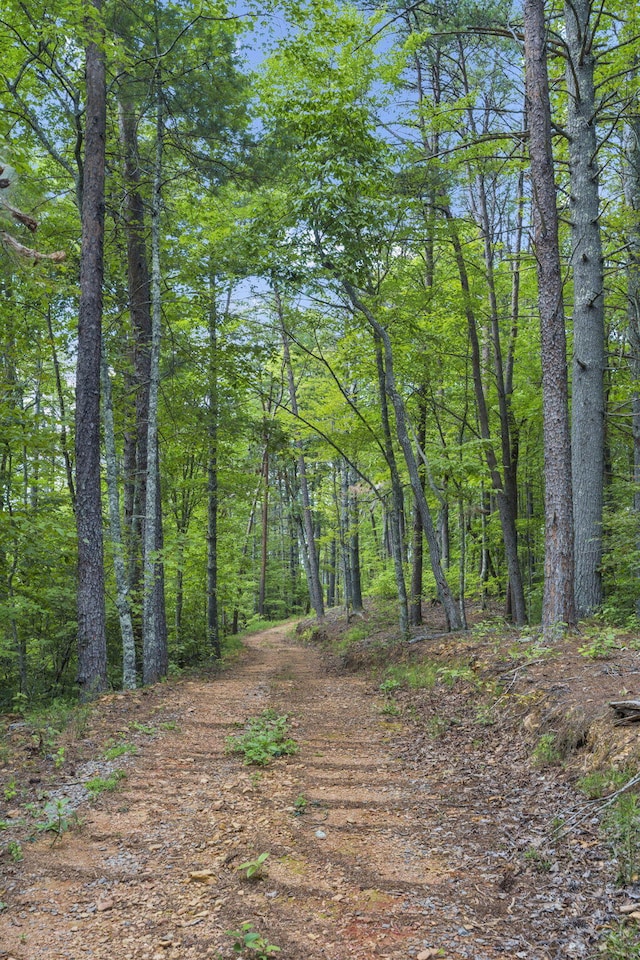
[(409, 842)]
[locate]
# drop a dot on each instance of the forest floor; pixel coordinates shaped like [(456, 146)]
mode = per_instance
[(414, 821)]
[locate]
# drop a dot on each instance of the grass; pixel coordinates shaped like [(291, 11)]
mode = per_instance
[(98, 785)]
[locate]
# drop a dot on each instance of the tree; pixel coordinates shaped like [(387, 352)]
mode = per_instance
[(558, 602), (92, 644)]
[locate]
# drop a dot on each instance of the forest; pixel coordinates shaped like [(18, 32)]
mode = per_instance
[(304, 303)]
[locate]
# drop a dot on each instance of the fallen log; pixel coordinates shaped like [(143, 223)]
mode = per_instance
[(628, 711)]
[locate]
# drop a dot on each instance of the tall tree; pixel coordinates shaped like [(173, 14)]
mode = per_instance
[(558, 600), (92, 644), (587, 401)]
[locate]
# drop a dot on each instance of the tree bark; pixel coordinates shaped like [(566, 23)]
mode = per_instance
[(632, 199), (92, 644), (558, 597), (154, 639), (213, 633), (120, 569), (588, 401)]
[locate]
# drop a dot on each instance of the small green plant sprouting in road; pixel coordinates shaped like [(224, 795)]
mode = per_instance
[(15, 851), (300, 805), (99, 785), (265, 738), (254, 869), (541, 863), (599, 783), (58, 818), (11, 790), (115, 750), (248, 939), (391, 708), (143, 728)]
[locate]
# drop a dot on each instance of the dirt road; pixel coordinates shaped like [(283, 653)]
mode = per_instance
[(379, 857)]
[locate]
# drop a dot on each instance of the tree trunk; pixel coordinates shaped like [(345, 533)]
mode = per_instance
[(213, 633), (262, 589), (452, 613), (120, 569), (354, 546), (558, 599), (632, 198), (587, 401), (417, 559), (315, 587), (92, 643), (397, 505), (154, 645)]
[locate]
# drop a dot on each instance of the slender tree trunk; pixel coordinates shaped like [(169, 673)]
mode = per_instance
[(503, 485), (120, 569), (213, 633), (417, 560), (632, 197), (558, 600), (92, 643), (354, 546), (397, 505), (66, 455), (587, 401), (155, 654), (315, 587), (262, 589), (452, 613)]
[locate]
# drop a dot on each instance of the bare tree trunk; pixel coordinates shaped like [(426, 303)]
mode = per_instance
[(632, 198), (92, 643), (213, 632), (417, 560), (120, 569), (354, 546), (262, 589), (154, 639), (587, 395), (558, 600), (397, 505)]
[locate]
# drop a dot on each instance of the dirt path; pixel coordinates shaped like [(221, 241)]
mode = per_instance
[(391, 857)]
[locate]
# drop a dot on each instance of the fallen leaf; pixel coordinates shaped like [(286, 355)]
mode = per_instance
[(202, 876)]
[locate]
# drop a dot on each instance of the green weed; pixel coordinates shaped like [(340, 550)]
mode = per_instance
[(622, 827), (254, 869), (391, 708), (600, 783), (143, 728), (15, 851), (247, 939), (99, 785), (300, 805), (115, 750), (601, 646), (542, 864), (265, 738), (546, 750), (58, 818), (621, 943), (11, 790)]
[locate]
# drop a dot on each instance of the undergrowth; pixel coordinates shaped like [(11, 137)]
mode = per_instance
[(265, 738)]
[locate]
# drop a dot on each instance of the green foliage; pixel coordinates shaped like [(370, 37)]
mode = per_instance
[(254, 869), (266, 738), (14, 849), (622, 942), (622, 827), (601, 645), (144, 728), (58, 818), (541, 863), (98, 785), (546, 750), (11, 790), (121, 749), (600, 783), (300, 805), (250, 943), (391, 708)]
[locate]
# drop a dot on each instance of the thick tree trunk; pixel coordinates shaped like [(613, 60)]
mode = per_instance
[(92, 645), (558, 599), (588, 401)]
